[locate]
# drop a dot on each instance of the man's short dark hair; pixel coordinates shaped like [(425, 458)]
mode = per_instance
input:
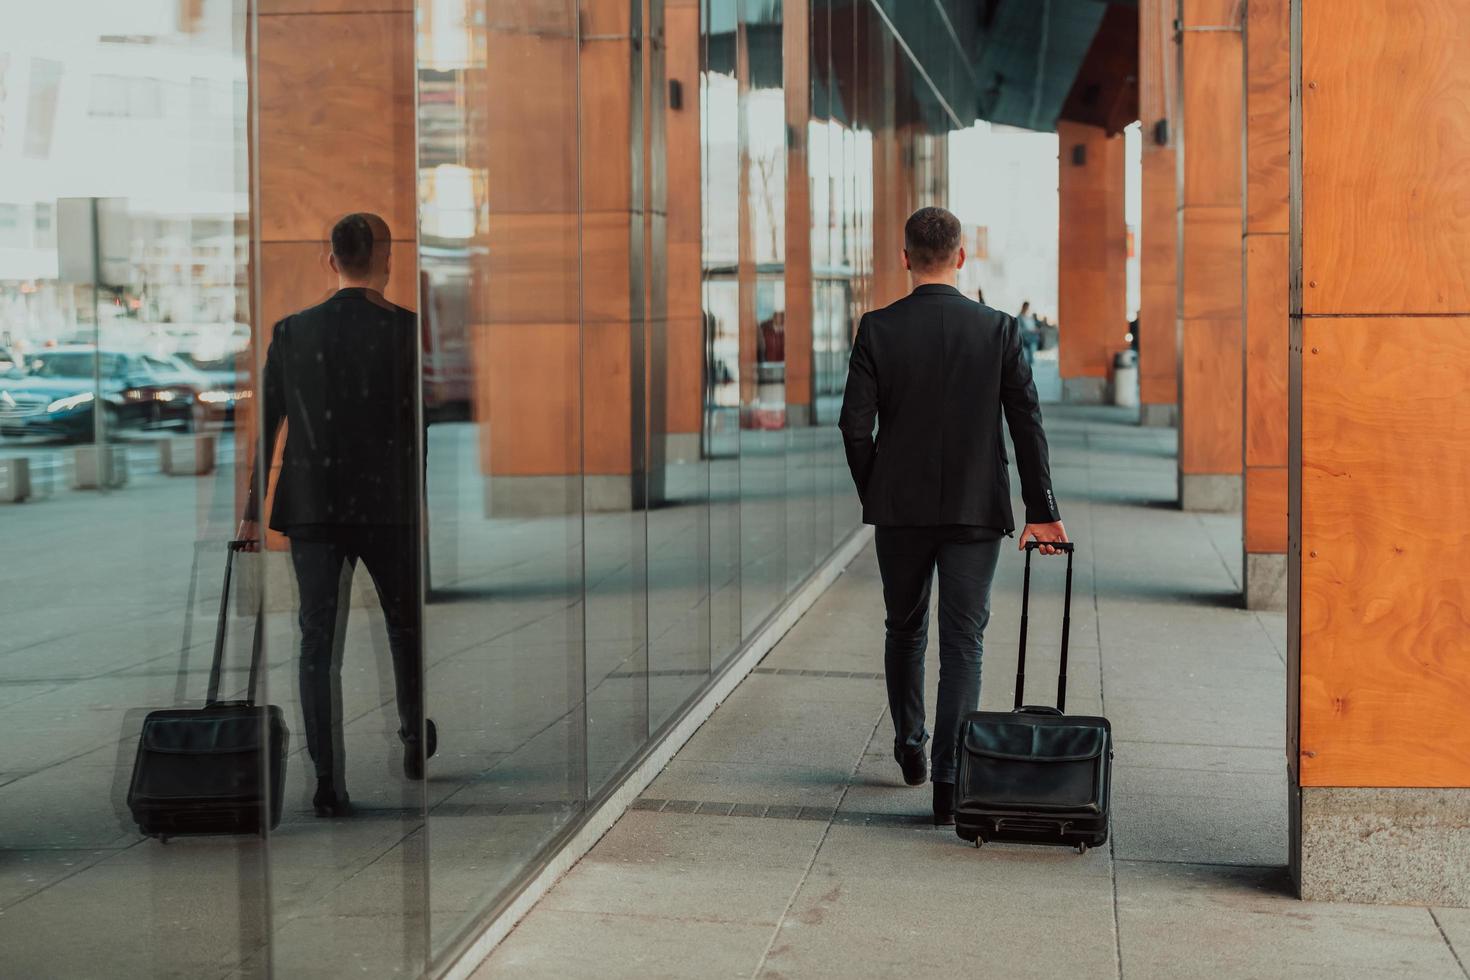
[(353, 239), (932, 237)]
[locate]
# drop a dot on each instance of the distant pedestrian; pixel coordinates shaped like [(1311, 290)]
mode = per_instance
[(1030, 334)]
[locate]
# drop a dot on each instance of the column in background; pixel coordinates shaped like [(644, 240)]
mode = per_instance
[(1092, 285), (1209, 257), (1267, 222), (1158, 328)]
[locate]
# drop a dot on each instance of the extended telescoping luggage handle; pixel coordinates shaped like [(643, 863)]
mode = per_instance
[(1031, 546), (212, 696)]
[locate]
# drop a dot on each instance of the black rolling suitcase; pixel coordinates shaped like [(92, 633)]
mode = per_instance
[(1035, 775), (216, 769)]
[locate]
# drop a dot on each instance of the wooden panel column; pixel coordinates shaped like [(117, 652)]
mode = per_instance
[(1092, 285), (1267, 220), (1210, 194), (684, 343), (1379, 632), (322, 68), (796, 41), (526, 280), (1158, 353)]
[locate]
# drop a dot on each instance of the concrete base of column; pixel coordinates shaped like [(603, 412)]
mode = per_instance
[(186, 456), (1383, 846), (15, 479), (669, 452), (94, 470), (1085, 391), (798, 416), (552, 496), (1158, 416), (1265, 582), (1217, 493)]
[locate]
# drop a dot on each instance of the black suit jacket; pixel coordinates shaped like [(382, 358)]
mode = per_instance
[(935, 370), (342, 374)]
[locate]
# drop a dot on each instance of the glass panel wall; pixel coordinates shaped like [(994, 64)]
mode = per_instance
[(525, 451)]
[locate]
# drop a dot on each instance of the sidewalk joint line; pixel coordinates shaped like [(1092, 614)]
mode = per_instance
[(1445, 936), (807, 872)]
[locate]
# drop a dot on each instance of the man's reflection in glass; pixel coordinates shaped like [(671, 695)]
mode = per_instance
[(341, 376)]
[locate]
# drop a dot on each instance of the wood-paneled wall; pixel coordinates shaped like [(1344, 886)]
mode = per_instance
[(1209, 241), (1267, 288), (796, 39), (1383, 630), (1092, 297), (1158, 325), (526, 286), (333, 88)]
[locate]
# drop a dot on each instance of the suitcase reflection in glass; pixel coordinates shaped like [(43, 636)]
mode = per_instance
[(219, 769)]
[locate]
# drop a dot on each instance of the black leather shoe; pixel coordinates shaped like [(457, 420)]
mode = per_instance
[(413, 758), (914, 763), (328, 802), (944, 804)]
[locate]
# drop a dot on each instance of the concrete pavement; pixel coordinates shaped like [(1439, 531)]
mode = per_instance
[(781, 842)]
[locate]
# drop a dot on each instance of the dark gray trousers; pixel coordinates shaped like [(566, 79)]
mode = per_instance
[(907, 558)]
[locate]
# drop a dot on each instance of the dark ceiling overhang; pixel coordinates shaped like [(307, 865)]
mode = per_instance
[(1038, 61)]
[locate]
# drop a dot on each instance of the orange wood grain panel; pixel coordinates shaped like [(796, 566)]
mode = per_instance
[(335, 98), (685, 365), (608, 252), (1268, 116), (1386, 134), (798, 243), (1157, 59), (532, 272), (1091, 251), (1158, 344), (606, 119), (528, 104), (1265, 509), (607, 399), (1210, 13), (527, 397), (1212, 124), (1158, 366), (600, 18), (1267, 349), (682, 126), (1385, 620), (1210, 394), (267, 7), (1211, 263)]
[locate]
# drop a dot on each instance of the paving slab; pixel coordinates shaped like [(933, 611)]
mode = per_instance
[(1188, 920)]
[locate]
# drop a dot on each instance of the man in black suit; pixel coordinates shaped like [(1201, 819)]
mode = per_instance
[(935, 370), (342, 376)]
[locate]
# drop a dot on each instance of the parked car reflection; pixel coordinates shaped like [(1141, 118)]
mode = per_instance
[(55, 395)]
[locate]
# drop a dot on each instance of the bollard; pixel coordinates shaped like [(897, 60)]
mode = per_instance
[(186, 456), (94, 470), (15, 480)]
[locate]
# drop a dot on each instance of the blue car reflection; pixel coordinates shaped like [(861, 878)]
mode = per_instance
[(56, 395)]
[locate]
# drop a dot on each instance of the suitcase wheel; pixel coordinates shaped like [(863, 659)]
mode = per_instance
[(1082, 847)]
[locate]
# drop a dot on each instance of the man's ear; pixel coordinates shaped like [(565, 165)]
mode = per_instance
[(332, 262), (906, 263), (960, 263)]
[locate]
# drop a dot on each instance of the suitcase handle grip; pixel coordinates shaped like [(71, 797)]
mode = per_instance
[(221, 624), (1069, 549)]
